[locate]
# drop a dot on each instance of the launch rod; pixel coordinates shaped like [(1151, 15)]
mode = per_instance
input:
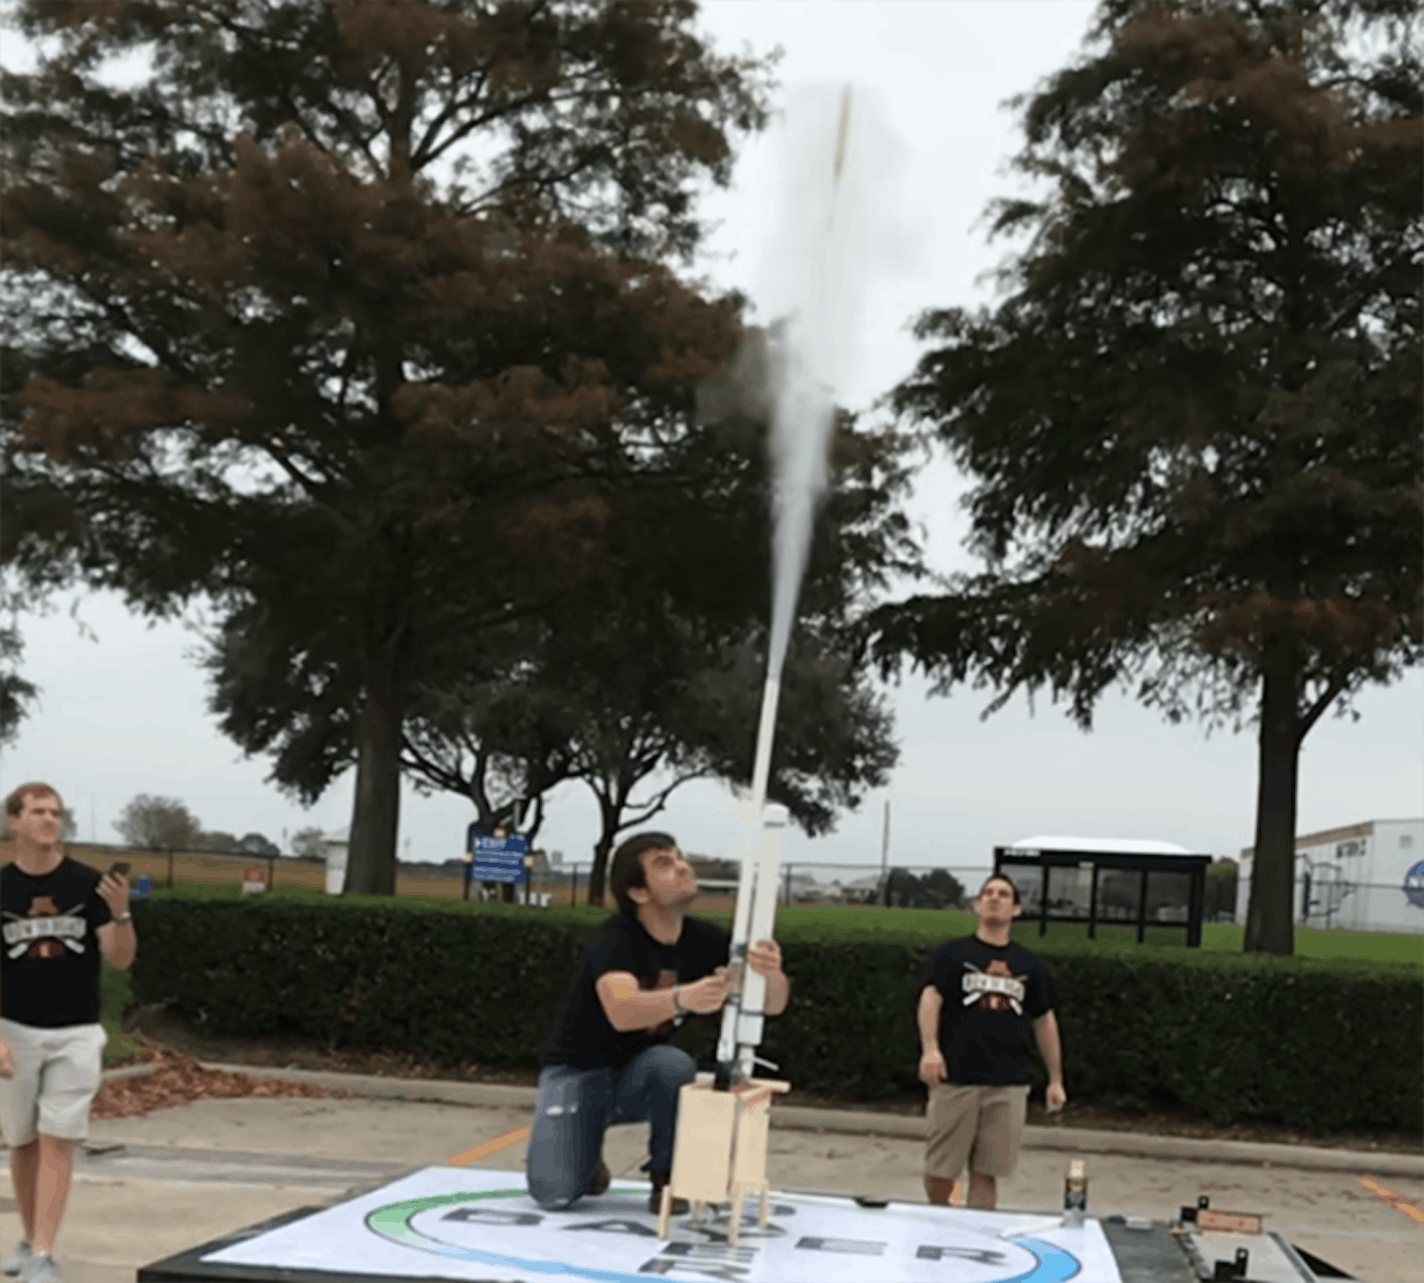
[(757, 882)]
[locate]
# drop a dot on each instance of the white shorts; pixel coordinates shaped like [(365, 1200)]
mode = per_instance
[(57, 1072)]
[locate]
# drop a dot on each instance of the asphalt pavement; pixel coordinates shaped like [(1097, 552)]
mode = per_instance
[(150, 1186)]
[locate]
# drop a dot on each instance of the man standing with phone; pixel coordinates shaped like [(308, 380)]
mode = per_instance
[(57, 918)]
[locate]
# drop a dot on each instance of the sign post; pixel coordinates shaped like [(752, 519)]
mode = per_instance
[(496, 859)]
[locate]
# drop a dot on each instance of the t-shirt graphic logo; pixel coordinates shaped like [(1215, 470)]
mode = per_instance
[(45, 931), (996, 988)]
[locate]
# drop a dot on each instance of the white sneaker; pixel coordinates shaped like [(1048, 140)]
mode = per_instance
[(41, 1268), (17, 1257)]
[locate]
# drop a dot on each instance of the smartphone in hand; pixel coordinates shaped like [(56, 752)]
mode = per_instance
[(118, 869)]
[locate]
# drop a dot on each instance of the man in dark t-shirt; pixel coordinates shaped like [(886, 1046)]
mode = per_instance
[(982, 994), (57, 918), (647, 969)]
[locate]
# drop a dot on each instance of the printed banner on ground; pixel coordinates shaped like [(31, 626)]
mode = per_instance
[(475, 1223)]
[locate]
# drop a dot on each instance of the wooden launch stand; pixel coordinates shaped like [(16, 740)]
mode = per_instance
[(720, 1151)]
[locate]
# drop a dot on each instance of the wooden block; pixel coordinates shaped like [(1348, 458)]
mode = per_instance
[(721, 1148), (749, 1160), (702, 1156)]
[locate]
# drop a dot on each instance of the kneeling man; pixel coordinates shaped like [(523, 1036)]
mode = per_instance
[(647, 969)]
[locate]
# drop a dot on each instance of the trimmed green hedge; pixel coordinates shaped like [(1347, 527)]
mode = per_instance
[(1312, 1043)]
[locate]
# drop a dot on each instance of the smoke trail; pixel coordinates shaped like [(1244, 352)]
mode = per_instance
[(816, 269), (815, 275)]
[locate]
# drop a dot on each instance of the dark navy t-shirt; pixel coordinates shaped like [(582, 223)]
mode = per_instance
[(991, 995), (49, 967), (585, 1039)]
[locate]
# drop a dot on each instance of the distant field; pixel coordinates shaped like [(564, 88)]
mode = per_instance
[(192, 868), (198, 873)]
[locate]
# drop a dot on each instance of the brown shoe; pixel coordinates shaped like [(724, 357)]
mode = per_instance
[(655, 1199), (598, 1180)]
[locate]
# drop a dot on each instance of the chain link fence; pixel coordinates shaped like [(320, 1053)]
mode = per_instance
[(1324, 902)]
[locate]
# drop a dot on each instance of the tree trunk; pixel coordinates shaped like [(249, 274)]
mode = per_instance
[(598, 874), (375, 814), (1270, 926)]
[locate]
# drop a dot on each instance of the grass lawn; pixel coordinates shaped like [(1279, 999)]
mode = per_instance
[(1372, 946), (115, 995)]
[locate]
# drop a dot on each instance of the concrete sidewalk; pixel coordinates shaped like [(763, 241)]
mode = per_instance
[(850, 1122), (152, 1185)]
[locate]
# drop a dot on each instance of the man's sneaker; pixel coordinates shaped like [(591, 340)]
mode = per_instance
[(41, 1268), (598, 1180), (17, 1256), (655, 1199)]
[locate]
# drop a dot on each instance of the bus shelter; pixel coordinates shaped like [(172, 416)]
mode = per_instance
[(1113, 883)]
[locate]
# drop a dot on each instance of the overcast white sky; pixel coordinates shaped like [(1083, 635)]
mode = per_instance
[(123, 708)]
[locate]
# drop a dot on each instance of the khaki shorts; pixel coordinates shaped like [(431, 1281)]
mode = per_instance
[(57, 1072), (975, 1125)]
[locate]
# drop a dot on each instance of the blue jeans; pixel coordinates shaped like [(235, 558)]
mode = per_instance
[(576, 1106)]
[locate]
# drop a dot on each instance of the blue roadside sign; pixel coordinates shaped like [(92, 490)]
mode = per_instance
[(497, 859)]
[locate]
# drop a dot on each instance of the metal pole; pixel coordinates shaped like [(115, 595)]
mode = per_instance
[(885, 859)]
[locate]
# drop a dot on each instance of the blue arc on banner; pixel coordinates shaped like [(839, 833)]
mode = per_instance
[(1053, 1264)]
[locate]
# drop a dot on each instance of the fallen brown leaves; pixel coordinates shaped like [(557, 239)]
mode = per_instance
[(176, 1080)]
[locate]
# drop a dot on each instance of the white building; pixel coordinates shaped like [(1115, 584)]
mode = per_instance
[(1363, 877)]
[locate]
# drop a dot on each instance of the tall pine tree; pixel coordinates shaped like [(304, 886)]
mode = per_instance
[(1192, 426)]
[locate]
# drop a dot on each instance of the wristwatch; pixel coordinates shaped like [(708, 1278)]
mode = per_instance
[(122, 918), (678, 1010)]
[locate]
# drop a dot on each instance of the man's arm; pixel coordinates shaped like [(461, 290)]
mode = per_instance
[(118, 944), (1045, 1029), (117, 941), (629, 1007), (932, 1071)]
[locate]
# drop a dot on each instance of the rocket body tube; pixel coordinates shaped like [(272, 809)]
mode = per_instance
[(757, 884)]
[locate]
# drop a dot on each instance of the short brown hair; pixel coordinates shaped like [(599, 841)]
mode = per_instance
[(1001, 877), (625, 870), (16, 799)]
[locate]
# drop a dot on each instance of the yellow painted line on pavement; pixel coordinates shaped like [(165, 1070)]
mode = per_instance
[(488, 1147), (1396, 1201)]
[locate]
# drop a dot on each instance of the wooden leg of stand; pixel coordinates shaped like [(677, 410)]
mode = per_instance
[(764, 1210), (734, 1227), (665, 1212)]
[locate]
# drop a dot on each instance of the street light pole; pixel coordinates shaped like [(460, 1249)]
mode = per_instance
[(885, 858)]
